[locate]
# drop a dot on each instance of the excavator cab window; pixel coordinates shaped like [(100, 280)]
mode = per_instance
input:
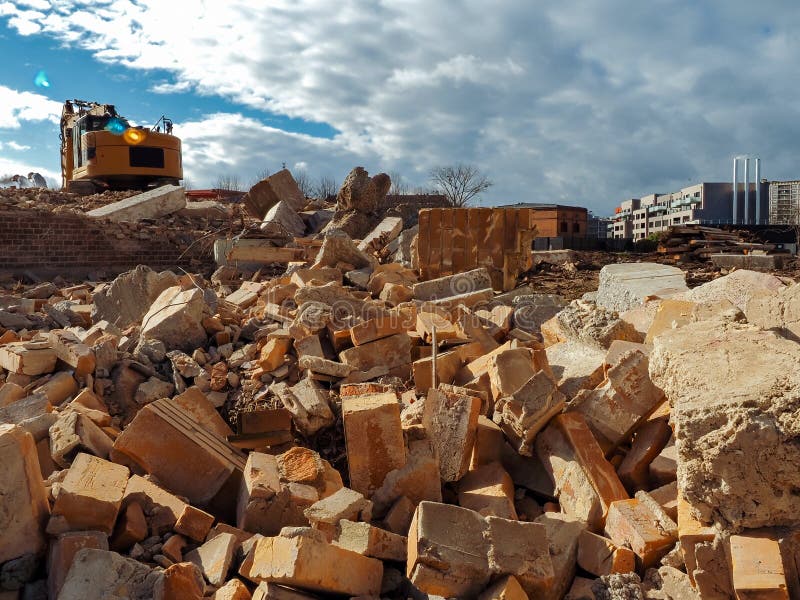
[(89, 123)]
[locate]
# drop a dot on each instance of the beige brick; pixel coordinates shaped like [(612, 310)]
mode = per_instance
[(418, 480), (70, 350), (523, 414), (194, 523), (522, 550), (314, 565), (600, 556), (90, 496), (202, 410), (166, 442), (633, 523), (388, 352), (667, 497), (691, 532), (447, 551), (489, 442), (75, 432), (58, 388), (616, 408), (505, 588), (173, 547), (648, 442), (509, 370), (451, 422), (24, 496), (757, 568), (183, 581), (398, 519), (664, 467), (10, 393), (374, 438), (28, 358), (214, 557), (273, 591), (371, 541), (233, 590), (273, 353), (383, 326), (325, 514), (585, 481), (131, 528), (161, 508), (488, 490), (563, 533), (62, 551)]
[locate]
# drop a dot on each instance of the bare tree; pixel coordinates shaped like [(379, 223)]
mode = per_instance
[(325, 188), (303, 181), (460, 183), (228, 182), (399, 184)]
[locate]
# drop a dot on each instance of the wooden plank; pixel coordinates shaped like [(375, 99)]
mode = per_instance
[(265, 254)]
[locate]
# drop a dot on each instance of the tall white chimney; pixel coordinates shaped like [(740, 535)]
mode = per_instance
[(758, 191)]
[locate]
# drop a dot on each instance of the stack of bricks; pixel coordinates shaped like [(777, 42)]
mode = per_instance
[(356, 432)]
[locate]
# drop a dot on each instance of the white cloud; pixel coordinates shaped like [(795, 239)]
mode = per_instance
[(12, 145), (576, 101), (16, 106)]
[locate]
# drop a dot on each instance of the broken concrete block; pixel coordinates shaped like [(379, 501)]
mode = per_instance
[(324, 515), (642, 526), (585, 481), (738, 287), (627, 285), (576, 366), (525, 413), (152, 204), (488, 443), (279, 186), (757, 567), (453, 285), (28, 358), (127, 299), (488, 490), (776, 310), (153, 389), (386, 231), (451, 421), (732, 388), (374, 439), (616, 408), (509, 370), (312, 564), (166, 442), (282, 219), (670, 314), (600, 556), (175, 318), (388, 352), (337, 248), (214, 557), (161, 508), (62, 552), (99, 574), (90, 496), (370, 541), (588, 323), (274, 353), (24, 496), (447, 551), (74, 432)]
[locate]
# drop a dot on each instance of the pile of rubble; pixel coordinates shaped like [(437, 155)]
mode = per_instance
[(347, 429)]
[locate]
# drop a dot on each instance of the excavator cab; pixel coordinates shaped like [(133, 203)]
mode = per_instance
[(101, 150)]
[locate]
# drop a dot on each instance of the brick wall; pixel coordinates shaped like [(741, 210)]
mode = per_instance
[(45, 241)]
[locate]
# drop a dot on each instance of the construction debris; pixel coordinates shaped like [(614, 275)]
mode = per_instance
[(337, 422)]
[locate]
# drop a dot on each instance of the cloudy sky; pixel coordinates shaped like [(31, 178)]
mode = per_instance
[(582, 102)]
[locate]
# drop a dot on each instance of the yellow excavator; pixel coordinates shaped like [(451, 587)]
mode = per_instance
[(100, 150)]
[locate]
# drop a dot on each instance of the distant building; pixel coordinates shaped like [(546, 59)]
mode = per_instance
[(699, 204), (784, 202), (598, 227), (556, 220)]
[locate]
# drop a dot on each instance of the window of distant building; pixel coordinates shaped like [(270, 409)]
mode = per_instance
[(576, 228), (564, 227)]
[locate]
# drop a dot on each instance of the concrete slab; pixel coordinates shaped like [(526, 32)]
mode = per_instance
[(151, 204), (755, 262), (626, 285)]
